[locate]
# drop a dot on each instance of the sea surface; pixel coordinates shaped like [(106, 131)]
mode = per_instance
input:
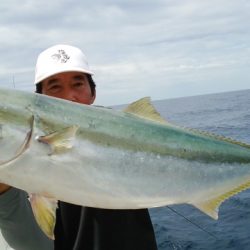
[(183, 226)]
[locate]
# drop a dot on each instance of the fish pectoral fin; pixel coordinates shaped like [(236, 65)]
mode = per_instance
[(60, 141), (211, 207), (145, 109), (44, 210)]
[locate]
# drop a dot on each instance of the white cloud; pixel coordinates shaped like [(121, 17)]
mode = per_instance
[(161, 48)]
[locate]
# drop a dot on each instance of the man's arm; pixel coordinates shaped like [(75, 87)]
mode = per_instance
[(17, 223)]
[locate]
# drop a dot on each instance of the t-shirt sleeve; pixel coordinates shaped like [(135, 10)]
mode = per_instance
[(18, 225)]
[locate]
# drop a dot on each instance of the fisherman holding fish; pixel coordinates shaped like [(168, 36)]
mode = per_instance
[(62, 71)]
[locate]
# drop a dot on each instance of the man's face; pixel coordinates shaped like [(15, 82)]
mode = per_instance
[(72, 86)]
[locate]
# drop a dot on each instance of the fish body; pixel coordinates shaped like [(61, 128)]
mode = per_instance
[(99, 157)]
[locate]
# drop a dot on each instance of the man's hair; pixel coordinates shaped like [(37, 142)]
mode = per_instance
[(90, 80)]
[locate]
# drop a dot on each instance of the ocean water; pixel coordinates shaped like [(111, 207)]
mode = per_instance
[(226, 114)]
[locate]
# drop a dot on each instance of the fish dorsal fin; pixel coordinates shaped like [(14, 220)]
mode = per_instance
[(44, 210), (60, 141), (144, 109), (218, 137), (211, 207)]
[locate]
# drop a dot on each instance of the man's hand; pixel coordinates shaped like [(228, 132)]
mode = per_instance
[(4, 188)]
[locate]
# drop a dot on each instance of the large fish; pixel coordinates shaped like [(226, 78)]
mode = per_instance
[(98, 157)]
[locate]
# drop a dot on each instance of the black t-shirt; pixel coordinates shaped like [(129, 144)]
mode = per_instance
[(85, 228)]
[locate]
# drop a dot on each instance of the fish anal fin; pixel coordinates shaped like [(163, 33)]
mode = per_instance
[(211, 207), (44, 210), (144, 109), (60, 141)]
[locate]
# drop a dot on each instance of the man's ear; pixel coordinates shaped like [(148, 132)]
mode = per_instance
[(93, 98)]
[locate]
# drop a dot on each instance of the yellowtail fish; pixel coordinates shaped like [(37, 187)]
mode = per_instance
[(99, 157)]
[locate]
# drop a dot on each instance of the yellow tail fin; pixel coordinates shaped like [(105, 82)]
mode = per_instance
[(211, 207)]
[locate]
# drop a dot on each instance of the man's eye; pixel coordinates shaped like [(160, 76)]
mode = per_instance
[(79, 84), (54, 88)]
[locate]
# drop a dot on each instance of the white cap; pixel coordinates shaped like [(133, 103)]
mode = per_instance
[(59, 59)]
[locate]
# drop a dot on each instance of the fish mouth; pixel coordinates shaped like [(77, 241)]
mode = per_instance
[(23, 147)]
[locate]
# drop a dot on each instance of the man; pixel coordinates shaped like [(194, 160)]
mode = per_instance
[(62, 71)]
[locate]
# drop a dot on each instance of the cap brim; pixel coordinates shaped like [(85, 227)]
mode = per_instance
[(40, 79)]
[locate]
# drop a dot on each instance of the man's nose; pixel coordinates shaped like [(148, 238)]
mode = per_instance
[(69, 95)]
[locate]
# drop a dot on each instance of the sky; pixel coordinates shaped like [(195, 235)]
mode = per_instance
[(158, 48)]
